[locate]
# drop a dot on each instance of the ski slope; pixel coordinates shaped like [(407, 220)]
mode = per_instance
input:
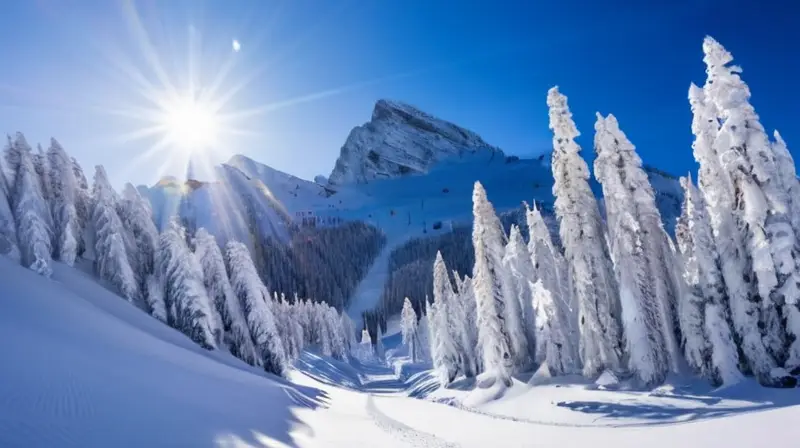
[(83, 368)]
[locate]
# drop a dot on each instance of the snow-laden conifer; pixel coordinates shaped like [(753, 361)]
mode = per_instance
[(708, 341), (761, 204), (252, 295), (447, 344), (137, 217), (517, 262), (641, 254), (33, 233), (488, 241), (556, 312), (8, 228), (219, 290), (718, 192), (585, 247), (188, 306), (111, 257), (63, 193), (787, 174), (408, 325)]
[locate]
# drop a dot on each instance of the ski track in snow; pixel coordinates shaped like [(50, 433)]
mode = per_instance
[(401, 431)]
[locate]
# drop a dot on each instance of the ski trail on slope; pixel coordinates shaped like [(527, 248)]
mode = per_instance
[(403, 432), (369, 290)]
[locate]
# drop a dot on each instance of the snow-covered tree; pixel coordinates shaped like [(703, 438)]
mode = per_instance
[(494, 341), (33, 232), (8, 229), (469, 330), (643, 260), (63, 191), (13, 157), (349, 330), (760, 204), (111, 257), (585, 247), (188, 306), (137, 218), (219, 290), (83, 200), (517, 262), (42, 167), (338, 344), (787, 174), (556, 313), (154, 296), (252, 295), (408, 323), (708, 341), (447, 349)]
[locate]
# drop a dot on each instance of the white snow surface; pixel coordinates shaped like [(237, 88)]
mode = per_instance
[(83, 368)]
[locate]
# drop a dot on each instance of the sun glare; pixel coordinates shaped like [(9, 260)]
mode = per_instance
[(191, 125)]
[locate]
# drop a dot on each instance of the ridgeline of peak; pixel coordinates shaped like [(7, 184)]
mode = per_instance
[(401, 140)]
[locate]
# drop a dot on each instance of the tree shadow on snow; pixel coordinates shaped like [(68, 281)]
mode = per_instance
[(684, 402)]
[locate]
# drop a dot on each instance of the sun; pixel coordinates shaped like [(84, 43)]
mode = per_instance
[(190, 125)]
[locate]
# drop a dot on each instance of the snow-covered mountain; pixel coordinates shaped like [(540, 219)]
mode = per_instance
[(401, 140), (368, 185)]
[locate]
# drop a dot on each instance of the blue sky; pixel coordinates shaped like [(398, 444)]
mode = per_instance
[(309, 71)]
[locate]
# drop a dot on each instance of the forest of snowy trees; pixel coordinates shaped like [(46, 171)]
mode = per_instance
[(409, 264), (212, 294), (619, 295), (583, 287)]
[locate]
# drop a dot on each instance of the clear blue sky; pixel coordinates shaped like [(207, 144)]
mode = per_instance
[(71, 67)]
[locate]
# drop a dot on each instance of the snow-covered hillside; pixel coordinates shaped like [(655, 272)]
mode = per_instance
[(82, 367)]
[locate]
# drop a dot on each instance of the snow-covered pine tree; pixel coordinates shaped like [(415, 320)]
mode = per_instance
[(466, 297), (408, 325), (718, 192), (137, 218), (260, 319), (338, 344), (33, 232), (585, 246), (662, 264), (517, 262), (42, 168), (220, 291), (557, 316), (761, 203), (13, 155), (708, 341), (83, 207), (424, 337), (8, 228), (446, 351), (349, 330), (111, 258), (640, 251), (188, 305), (155, 297), (494, 341), (63, 191), (788, 179)]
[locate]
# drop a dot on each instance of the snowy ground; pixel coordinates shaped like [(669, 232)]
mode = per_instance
[(83, 368)]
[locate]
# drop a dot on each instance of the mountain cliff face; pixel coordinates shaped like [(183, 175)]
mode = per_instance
[(401, 140)]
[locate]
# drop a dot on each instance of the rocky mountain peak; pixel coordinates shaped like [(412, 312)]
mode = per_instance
[(401, 140)]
